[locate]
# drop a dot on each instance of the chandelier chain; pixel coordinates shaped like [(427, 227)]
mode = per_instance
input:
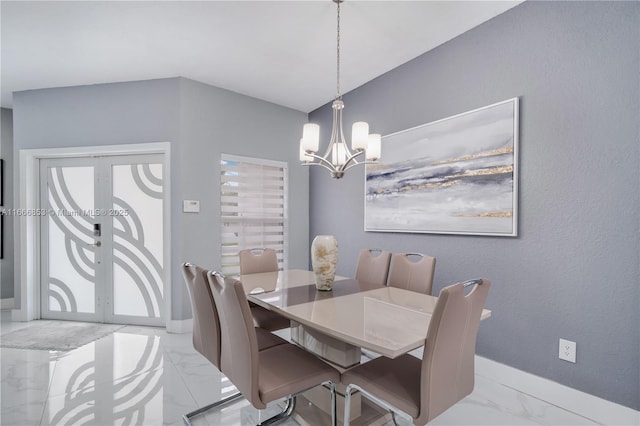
[(338, 53)]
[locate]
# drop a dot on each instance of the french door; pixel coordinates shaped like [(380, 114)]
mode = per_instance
[(102, 239)]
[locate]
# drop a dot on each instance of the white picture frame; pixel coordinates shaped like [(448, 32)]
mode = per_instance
[(457, 175)]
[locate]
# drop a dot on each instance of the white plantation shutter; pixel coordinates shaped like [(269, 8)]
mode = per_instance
[(253, 206)]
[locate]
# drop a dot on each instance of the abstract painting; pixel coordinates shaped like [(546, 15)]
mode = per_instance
[(1, 210), (457, 175)]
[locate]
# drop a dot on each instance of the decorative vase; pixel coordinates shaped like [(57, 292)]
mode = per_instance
[(324, 259)]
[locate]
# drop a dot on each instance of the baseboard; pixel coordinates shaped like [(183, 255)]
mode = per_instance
[(19, 315), (180, 326), (174, 326), (6, 303), (589, 406)]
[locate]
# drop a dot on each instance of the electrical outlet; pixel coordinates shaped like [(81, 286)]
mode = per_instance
[(567, 350)]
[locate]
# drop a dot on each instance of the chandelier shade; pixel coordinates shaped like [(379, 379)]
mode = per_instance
[(338, 158)]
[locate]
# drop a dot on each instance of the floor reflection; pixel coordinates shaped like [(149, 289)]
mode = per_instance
[(145, 376), (122, 381)]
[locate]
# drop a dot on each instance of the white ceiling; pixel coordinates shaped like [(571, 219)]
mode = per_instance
[(279, 51)]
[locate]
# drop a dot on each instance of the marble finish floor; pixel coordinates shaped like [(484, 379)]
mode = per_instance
[(146, 376)]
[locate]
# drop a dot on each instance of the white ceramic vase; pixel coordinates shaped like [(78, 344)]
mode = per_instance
[(324, 259)]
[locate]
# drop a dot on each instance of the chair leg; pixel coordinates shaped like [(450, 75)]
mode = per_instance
[(347, 405), (284, 414), (291, 405), (376, 400), (187, 417), (332, 391)]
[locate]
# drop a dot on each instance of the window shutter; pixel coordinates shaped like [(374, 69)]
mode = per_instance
[(253, 206)]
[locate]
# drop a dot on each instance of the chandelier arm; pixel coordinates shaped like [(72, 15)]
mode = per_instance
[(353, 161), (353, 164), (352, 158), (322, 162), (347, 151), (335, 136), (331, 169), (337, 133)]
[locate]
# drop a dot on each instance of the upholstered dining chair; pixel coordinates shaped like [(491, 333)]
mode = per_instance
[(271, 374), (373, 266), (412, 271), (206, 328), (426, 388), (253, 261)]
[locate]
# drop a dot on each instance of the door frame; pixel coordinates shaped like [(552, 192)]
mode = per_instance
[(28, 230)]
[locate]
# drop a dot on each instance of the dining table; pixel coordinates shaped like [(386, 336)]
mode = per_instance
[(336, 325)]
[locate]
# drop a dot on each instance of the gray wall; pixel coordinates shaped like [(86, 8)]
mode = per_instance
[(573, 270), (198, 120), (215, 121), (6, 153), (106, 114)]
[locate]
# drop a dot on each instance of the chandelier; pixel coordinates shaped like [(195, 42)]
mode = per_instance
[(338, 158)]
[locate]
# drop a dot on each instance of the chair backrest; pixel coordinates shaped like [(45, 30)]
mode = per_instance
[(239, 355), (373, 266), (412, 274), (206, 324), (253, 261), (448, 360)]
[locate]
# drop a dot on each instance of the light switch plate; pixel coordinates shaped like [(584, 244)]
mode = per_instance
[(191, 206)]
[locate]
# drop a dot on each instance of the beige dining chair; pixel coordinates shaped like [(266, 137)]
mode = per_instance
[(412, 271), (253, 261), (206, 328), (426, 388), (268, 375), (373, 266), (256, 260)]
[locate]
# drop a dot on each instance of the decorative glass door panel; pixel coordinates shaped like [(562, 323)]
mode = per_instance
[(69, 287), (137, 221), (102, 239)]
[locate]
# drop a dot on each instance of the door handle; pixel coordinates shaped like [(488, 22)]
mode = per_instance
[(97, 244)]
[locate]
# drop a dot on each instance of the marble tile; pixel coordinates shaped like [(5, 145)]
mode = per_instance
[(27, 414), (117, 356), (152, 398), (142, 330), (176, 341), (493, 404), (26, 376), (6, 325), (243, 413), (499, 404), (144, 375), (205, 383), (183, 355)]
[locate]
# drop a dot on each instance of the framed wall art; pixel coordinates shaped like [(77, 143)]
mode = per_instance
[(458, 175), (1, 182), (2, 210)]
